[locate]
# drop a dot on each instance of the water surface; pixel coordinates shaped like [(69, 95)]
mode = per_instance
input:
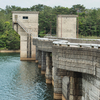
[(22, 80)]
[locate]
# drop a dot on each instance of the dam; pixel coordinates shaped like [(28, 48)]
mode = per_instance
[(70, 64)]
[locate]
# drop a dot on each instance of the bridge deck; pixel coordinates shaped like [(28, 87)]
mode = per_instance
[(79, 57)]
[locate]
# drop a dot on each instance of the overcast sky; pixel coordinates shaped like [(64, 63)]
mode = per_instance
[(66, 3)]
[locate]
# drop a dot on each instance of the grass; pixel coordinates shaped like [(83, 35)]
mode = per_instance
[(89, 37), (3, 48)]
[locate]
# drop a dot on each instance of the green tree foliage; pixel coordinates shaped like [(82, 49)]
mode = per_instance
[(89, 25), (89, 22), (77, 8), (9, 39)]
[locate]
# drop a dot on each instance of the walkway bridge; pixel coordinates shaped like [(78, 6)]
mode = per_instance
[(71, 65)]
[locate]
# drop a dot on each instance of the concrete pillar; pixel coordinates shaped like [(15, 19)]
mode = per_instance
[(39, 58), (23, 47), (90, 87), (28, 45), (53, 69), (48, 68), (72, 86), (33, 49), (43, 62), (37, 54), (66, 26), (65, 87), (58, 74), (75, 86)]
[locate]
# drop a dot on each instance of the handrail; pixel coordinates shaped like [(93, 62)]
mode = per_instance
[(68, 44)]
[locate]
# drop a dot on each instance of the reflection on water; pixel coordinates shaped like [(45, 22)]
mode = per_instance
[(21, 80)]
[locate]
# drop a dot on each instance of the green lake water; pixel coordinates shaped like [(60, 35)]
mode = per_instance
[(22, 80)]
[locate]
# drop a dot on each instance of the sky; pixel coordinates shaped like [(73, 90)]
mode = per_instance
[(65, 3)]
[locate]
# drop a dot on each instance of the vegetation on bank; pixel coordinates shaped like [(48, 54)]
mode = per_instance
[(9, 39), (89, 22)]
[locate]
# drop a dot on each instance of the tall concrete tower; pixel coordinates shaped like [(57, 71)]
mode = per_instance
[(25, 23), (66, 26)]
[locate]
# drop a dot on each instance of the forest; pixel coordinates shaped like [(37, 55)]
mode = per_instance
[(88, 22)]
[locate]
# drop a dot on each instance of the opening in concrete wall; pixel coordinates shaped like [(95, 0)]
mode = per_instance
[(25, 17)]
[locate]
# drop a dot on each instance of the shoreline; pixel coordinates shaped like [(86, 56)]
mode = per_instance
[(9, 51)]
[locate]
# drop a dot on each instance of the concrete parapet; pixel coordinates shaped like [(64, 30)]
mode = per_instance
[(45, 45), (85, 60)]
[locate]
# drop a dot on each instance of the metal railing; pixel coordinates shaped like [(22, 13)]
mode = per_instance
[(58, 42), (68, 44)]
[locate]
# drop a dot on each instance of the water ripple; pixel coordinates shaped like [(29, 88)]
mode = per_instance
[(21, 80)]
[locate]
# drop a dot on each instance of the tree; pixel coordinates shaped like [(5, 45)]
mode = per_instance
[(77, 8)]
